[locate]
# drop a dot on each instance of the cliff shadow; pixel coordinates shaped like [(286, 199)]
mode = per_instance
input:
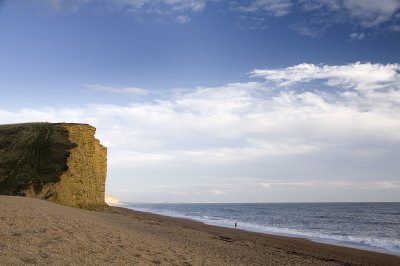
[(31, 156)]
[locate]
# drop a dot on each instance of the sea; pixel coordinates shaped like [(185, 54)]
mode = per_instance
[(369, 226)]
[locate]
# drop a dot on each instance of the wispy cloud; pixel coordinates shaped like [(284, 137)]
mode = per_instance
[(70, 5), (126, 90), (357, 36), (216, 191), (182, 19), (176, 10), (371, 13), (317, 184), (319, 15), (309, 29), (276, 8), (385, 184), (316, 16), (368, 13), (395, 28)]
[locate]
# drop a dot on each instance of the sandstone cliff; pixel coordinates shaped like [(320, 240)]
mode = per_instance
[(62, 162)]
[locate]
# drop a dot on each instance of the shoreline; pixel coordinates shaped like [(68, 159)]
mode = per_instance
[(39, 232), (327, 241), (211, 228)]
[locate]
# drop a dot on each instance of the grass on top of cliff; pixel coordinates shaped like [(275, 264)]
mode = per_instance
[(35, 152)]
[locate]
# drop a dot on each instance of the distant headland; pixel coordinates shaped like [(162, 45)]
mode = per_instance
[(111, 200)]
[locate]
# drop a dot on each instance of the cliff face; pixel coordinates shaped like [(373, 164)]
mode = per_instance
[(63, 163)]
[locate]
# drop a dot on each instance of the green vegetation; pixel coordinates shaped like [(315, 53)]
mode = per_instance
[(33, 153)]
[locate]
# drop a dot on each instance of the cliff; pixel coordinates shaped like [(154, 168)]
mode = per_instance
[(61, 162)]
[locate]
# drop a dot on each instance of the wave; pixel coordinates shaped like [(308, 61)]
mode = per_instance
[(391, 246)]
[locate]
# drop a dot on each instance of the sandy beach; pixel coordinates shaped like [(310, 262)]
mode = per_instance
[(37, 232)]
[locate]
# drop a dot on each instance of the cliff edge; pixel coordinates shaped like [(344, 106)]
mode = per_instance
[(60, 162)]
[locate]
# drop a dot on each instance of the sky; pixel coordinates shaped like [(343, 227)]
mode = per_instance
[(213, 100)]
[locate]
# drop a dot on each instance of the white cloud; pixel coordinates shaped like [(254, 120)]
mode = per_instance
[(395, 28), (385, 184), (256, 129), (183, 5), (359, 76), (216, 192), (265, 185), (277, 8), (319, 14), (181, 19), (310, 30), (71, 5), (132, 5), (312, 5), (368, 13), (357, 36), (378, 185), (126, 90), (372, 12)]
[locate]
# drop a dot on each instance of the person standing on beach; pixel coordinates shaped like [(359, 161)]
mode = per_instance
[(235, 225)]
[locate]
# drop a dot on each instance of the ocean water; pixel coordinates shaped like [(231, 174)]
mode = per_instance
[(371, 226)]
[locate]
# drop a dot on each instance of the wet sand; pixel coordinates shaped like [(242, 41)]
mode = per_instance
[(38, 232)]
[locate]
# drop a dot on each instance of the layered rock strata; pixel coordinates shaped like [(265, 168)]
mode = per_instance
[(61, 162)]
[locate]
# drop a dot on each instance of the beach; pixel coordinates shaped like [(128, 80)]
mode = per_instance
[(37, 232)]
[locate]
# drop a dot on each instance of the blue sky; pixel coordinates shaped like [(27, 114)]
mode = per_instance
[(217, 101)]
